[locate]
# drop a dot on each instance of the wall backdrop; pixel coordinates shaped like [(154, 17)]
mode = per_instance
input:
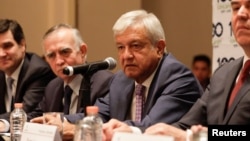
[(187, 23)]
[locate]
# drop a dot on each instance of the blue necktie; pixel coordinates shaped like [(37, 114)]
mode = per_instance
[(67, 98)]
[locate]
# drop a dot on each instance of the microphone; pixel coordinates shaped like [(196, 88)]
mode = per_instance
[(108, 63)]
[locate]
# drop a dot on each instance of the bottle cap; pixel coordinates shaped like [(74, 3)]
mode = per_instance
[(92, 109), (18, 105)]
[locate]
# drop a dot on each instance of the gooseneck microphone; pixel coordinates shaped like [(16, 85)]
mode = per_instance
[(108, 63)]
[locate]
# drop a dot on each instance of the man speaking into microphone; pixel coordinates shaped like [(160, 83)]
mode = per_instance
[(71, 92)]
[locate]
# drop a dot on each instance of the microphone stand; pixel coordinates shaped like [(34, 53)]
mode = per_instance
[(85, 92)]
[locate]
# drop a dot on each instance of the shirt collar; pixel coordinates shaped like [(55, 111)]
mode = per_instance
[(16, 73), (148, 81), (245, 59), (74, 84)]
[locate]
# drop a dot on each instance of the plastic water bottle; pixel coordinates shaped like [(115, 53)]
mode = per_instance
[(90, 127), (17, 119)]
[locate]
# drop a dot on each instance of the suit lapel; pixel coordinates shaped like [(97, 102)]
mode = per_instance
[(126, 99), (56, 98), (124, 95), (242, 92), (230, 81), (229, 84), (154, 87), (2, 93), (21, 80)]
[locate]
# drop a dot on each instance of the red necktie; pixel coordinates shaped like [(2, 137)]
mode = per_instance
[(140, 99), (243, 75)]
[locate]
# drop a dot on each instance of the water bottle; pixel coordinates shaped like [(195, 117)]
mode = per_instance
[(17, 119), (90, 127)]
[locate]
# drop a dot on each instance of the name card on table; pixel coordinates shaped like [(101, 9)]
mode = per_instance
[(40, 132), (120, 136)]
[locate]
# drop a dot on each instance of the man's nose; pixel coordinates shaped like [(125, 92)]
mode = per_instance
[(59, 60), (243, 12), (2, 52)]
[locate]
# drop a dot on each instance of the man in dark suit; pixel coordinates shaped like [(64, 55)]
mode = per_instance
[(213, 108), (28, 71), (64, 47), (169, 87)]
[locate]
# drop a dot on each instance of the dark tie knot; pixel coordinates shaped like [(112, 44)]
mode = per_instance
[(139, 89), (68, 90), (10, 81)]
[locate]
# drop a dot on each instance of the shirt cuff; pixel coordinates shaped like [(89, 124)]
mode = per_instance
[(135, 130), (6, 125)]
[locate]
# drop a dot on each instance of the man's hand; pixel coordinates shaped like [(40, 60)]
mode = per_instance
[(198, 128), (165, 129), (2, 127), (113, 126), (68, 128), (68, 131), (198, 131), (52, 118), (38, 120)]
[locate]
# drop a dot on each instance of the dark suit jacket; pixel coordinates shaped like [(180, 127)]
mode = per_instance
[(211, 109), (52, 101), (35, 74), (173, 90)]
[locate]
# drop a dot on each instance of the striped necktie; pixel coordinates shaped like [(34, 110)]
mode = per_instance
[(140, 99)]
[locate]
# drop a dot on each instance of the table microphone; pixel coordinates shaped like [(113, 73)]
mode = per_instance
[(108, 63)]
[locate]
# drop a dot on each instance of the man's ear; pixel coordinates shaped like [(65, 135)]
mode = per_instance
[(160, 45), (23, 44), (83, 50)]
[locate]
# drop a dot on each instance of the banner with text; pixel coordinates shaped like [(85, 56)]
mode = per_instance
[(225, 48)]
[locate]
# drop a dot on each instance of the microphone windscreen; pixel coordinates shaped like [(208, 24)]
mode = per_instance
[(112, 62)]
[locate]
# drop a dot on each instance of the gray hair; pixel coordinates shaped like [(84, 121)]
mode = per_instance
[(76, 34), (138, 18)]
